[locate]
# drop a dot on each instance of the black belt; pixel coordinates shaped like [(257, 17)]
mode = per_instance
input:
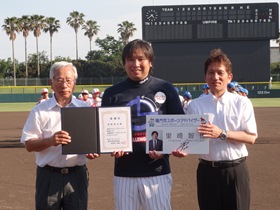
[(64, 170), (222, 163)]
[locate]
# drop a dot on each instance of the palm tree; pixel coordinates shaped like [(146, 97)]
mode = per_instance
[(52, 26), (91, 29), (38, 23), (126, 30), (76, 20), (11, 28), (25, 26)]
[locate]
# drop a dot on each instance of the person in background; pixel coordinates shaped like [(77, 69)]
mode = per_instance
[(181, 97), (231, 88), (222, 175), (96, 100), (61, 180), (44, 95), (101, 95), (90, 95), (205, 90), (239, 90), (245, 92), (86, 98), (236, 85), (187, 100), (242, 91), (80, 96), (142, 180)]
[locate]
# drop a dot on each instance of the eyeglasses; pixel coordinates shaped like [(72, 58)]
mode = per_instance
[(62, 81)]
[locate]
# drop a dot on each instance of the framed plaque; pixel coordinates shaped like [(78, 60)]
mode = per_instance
[(97, 129)]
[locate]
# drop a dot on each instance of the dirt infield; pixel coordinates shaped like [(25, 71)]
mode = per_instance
[(17, 173)]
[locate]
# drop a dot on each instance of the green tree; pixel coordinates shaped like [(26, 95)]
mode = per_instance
[(110, 45), (113, 50), (126, 30), (76, 20), (43, 62), (5, 68), (275, 68), (11, 28), (96, 55), (25, 27), (106, 61), (52, 26), (60, 58), (38, 23), (91, 29), (278, 40)]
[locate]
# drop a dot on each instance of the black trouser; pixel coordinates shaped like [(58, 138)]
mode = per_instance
[(65, 189), (223, 188)]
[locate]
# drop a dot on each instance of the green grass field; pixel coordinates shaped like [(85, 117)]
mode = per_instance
[(266, 102), (20, 107)]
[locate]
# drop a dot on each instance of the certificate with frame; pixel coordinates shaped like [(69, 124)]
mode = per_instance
[(97, 129), (177, 132), (115, 131)]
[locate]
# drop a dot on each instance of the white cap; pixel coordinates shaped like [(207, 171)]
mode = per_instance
[(44, 90), (95, 90), (85, 92)]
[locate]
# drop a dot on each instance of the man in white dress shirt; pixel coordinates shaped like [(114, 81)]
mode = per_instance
[(62, 180), (222, 175)]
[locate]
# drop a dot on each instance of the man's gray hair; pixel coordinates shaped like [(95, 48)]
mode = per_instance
[(61, 64)]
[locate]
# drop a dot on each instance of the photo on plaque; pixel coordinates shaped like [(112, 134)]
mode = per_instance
[(166, 133), (155, 141), (97, 129)]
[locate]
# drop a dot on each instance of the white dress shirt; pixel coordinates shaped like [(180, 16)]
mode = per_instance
[(43, 121), (230, 112)]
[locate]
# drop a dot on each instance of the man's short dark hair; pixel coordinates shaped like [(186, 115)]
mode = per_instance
[(138, 44), (217, 55), (154, 132)]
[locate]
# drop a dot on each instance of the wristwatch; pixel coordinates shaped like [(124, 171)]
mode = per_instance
[(223, 135)]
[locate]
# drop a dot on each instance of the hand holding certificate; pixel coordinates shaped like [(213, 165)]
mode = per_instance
[(176, 132)]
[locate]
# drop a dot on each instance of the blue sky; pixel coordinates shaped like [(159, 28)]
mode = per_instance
[(107, 13)]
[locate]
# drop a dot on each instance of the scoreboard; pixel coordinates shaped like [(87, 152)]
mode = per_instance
[(182, 37), (210, 22)]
